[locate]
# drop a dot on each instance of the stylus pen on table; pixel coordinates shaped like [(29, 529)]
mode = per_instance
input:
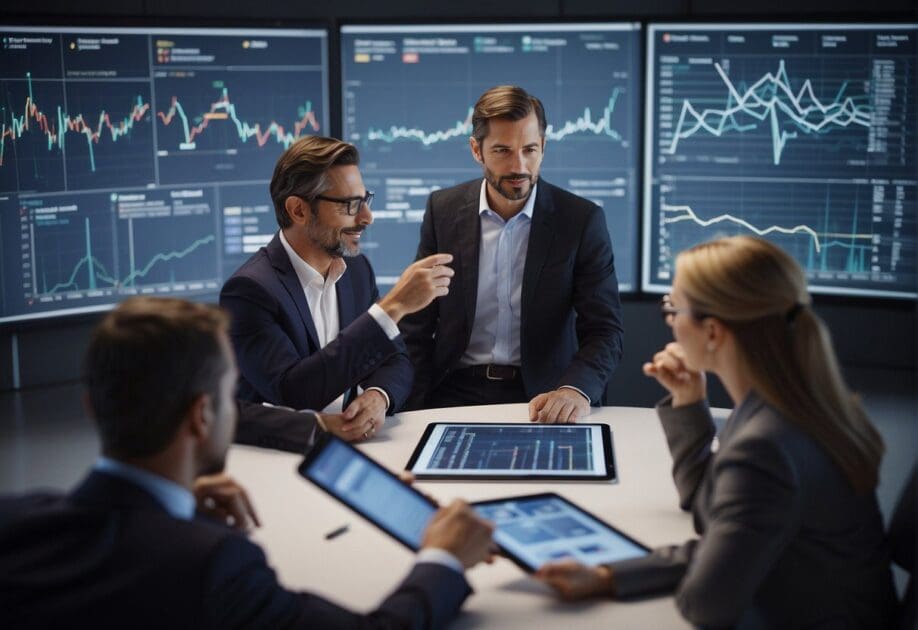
[(337, 532)]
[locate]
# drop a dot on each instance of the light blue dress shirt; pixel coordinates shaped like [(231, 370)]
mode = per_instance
[(501, 258), (175, 499)]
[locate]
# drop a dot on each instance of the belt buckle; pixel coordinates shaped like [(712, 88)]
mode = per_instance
[(496, 377)]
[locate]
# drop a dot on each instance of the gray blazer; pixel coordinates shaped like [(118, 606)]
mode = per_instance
[(784, 541)]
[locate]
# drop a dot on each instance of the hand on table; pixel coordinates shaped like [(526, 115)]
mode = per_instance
[(220, 497), (564, 405), (360, 420), (573, 580), (457, 529), (669, 368)]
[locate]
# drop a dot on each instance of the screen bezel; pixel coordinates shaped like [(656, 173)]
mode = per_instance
[(608, 451), (570, 504), (321, 443)]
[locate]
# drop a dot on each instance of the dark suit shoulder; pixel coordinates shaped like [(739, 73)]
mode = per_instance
[(567, 200)]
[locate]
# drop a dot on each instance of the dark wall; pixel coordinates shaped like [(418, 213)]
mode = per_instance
[(867, 333)]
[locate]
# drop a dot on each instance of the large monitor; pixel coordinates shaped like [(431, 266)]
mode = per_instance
[(408, 93), (137, 160), (804, 134)]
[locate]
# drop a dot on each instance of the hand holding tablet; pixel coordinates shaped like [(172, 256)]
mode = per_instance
[(530, 530)]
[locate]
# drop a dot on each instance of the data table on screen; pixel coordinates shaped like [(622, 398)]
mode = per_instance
[(408, 93), (800, 134), (136, 161)]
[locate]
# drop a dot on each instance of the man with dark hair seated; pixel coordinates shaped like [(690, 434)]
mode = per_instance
[(128, 549)]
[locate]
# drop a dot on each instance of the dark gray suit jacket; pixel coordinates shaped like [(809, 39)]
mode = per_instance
[(785, 542), (570, 325)]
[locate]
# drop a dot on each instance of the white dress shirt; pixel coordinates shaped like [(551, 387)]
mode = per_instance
[(322, 300)]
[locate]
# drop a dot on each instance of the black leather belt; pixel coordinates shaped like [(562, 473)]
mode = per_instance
[(493, 372)]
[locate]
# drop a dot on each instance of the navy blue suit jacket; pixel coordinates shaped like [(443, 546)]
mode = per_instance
[(280, 359), (109, 556), (571, 323)]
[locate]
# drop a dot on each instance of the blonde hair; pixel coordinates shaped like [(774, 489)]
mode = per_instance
[(759, 292)]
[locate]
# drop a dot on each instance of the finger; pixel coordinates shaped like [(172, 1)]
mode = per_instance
[(407, 477), (550, 413), (359, 420), (249, 508), (571, 416), (535, 405), (352, 409), (434, 260), (442, 271)]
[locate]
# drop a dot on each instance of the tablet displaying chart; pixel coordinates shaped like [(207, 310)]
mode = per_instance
[(801, 134), (514, 450), (136, 161), (537, 529), (408, 94)]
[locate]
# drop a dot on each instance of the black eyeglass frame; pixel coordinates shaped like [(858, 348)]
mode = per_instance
[(352, 204), (668, 312)]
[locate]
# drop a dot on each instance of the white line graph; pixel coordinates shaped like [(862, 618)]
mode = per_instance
[(686, 213), (764, 100)]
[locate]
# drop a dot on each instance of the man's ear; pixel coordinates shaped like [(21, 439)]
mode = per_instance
[(297, 209), (200, 417), (476, 150)]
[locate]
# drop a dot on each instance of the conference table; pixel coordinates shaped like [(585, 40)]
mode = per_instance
[(358, 568)]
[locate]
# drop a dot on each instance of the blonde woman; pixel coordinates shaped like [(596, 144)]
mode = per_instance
[(790, 531)]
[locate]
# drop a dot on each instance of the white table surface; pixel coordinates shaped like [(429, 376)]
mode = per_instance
[(359, 568)]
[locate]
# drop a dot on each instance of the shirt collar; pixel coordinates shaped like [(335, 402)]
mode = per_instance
[(307, 275), (175, 499), (483, 201)]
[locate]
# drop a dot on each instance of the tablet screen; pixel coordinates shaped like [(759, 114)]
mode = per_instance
[(369, 489), (541, 528), (514, 450)]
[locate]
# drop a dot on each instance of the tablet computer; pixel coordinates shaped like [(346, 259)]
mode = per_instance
[(514, 450), (369, 489), (535, 529)]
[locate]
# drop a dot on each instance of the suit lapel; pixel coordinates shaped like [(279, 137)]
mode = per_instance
[(467, 236), (345, 292), (541, 236), (287, 276)]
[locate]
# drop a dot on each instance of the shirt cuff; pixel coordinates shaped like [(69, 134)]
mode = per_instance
[(385, 322), (384, 395), (579, 391), (442, 557)]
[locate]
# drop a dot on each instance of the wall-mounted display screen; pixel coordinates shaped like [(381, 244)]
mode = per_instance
[(408, 93), (137, 161), (801, 134)]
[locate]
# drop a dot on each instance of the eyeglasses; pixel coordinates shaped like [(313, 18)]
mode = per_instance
[(668, 312), (352, 205)]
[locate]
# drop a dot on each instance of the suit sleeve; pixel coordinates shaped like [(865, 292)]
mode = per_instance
[(241, 591), (418, 328), (754, 513), (270, 362), (395, 374), (599, 312), (279, 428), (689, 431)]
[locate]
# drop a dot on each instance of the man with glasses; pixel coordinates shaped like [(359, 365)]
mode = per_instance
[(306, 325)]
